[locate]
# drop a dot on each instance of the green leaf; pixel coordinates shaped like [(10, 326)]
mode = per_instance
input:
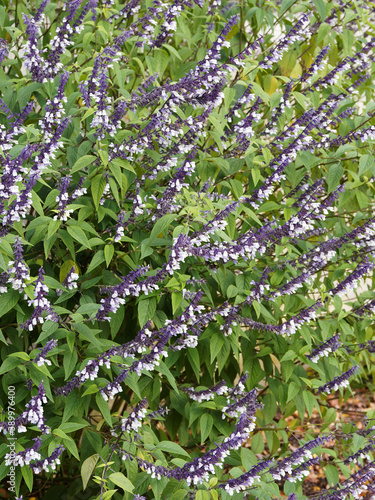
[(90, 111), (97, 188), (288, 355), (73, 402), (28, 476), (232, 291), (104, 409), (79, 235), (172, 448), (287, 369), (358, 442), (332, 474), (176, 300), (321, 8), (68, 242), (132, 383), (206, 423), (160, 226), (109, 250), (91, 309), (288, 62), (179, 495), (310, 401), (258, 91), (60, 433), (256, 306), (87, 334), (293, 390), (93, 389), (229, 94), (48, 328), (103, 156), (216, 344), (140, 64), (172, 50), (285, 5), (202, 495), (98, 259), (120, 162), (146, 310), (116, 320), (21, 355), (9, 364), (73, 426), (366, 162), (330, 416), (48, 244), (334, 175), (162, 61), (8, 301), (88, 468), (71, 446), (122, 481), (82, 163), (219, 127), (257, 443), (53, 227), (164, 370), (300, 98), (270, 408), (193, 357), (52, 283), (109, 494), (37, 203), (69, 362), (267, 155)]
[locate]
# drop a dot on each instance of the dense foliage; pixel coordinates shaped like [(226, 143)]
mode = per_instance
[(186, 202)]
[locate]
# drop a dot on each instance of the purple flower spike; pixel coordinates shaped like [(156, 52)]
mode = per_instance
[(331, 345), (206, 394), (62, 201), (41, 360), (18, 272), (298, 457), (134, 421), (295, 34), (246, 480), (24, 457), (340, 381), (48, 464), (3, 49), (41, 305), (33, 414), (364, 454)]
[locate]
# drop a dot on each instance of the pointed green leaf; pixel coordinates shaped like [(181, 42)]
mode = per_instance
[(206, 423), (172, 448), (122, 481), (109, 250), (79, 235), (88, 468), (83, 162), (8, 301), (97, 188), (104, 409)]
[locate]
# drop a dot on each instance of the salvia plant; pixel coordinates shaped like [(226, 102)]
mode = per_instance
[(187, 243)]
